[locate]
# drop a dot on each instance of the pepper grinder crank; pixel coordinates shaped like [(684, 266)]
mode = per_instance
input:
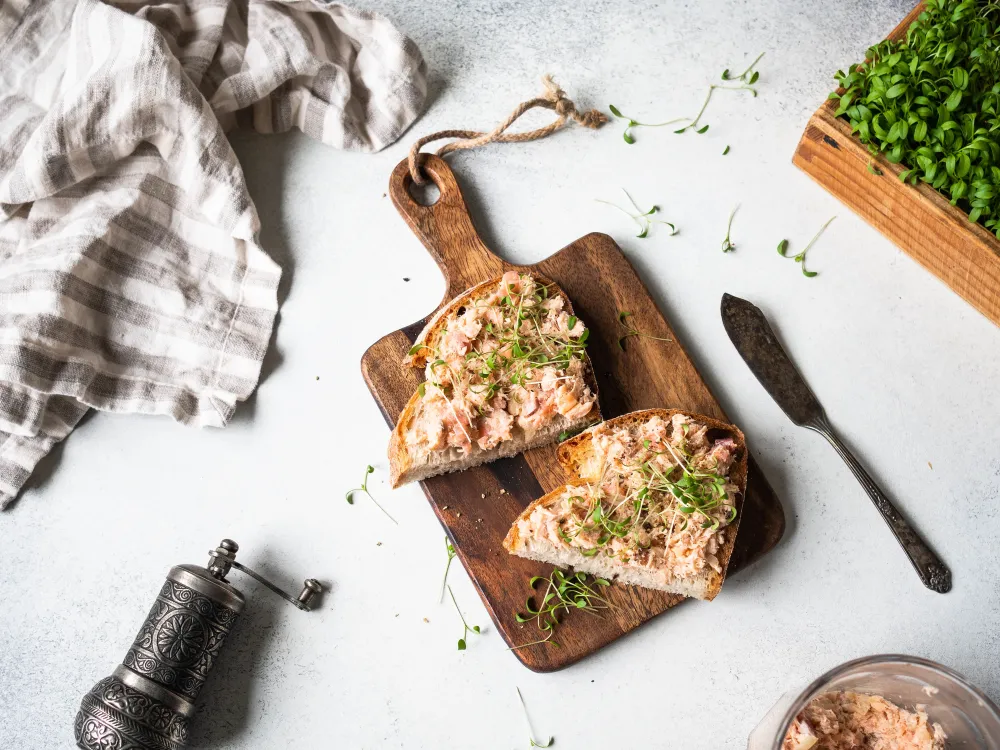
[(148, 700)]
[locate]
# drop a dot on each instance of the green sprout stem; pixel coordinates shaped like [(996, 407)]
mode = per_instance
[(450, 549), (563, 593), (633, 123), (623, 316), (527, 720), (712, 88), (640, 217), (800, 258), (749, 75), (468, 628), (727, 243), (364, 488), (746, 78)]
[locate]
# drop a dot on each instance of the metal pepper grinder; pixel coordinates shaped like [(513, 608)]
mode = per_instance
[(148, 700)]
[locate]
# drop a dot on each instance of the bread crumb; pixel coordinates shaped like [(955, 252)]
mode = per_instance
[(503, 492), (483, 496), (426, 620), (444, 507), (930, 465), (458, 514)]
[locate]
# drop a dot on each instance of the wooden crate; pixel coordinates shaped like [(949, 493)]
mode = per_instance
[(917, 218)]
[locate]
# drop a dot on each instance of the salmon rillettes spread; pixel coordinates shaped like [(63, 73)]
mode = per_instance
[(855, 721), (661, 502), (512, 359)]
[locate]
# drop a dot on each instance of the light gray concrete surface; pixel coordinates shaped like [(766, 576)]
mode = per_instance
[(907, 370)]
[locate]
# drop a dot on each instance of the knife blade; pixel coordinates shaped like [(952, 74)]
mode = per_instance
[(756, 343), (753, 338)]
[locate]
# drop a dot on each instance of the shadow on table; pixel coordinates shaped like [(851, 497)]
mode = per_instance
[(265, 176), (48, 464), (264, 159), (245, 663), (247, 660)]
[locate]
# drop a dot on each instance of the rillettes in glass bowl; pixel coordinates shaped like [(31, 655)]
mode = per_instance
[(970, 720)]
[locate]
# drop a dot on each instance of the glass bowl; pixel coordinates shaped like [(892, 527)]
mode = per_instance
[(970, 719)]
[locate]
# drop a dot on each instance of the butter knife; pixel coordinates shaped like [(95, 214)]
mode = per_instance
[(753, 338)]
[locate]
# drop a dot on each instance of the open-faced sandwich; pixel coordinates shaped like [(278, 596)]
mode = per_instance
[(506, 370), (656, 503)]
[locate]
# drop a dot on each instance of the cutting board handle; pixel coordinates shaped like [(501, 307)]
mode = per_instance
[(445, 228)]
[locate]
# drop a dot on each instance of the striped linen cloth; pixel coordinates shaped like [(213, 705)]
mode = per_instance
[(131, 277)]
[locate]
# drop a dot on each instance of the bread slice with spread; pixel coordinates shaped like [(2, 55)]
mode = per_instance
[(506, 370), (656, 503)]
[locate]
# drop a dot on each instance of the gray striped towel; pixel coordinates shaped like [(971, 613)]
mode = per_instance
[(131, 278)]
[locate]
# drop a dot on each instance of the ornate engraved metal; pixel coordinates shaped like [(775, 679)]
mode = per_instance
[(180, 639), (147, 703), (114, 716)]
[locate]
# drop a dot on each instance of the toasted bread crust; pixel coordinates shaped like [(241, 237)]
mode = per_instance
[(513, 536), (574, 452), (402, 466), (399, 457)]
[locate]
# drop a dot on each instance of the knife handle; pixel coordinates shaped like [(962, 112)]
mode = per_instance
[(932, 571)]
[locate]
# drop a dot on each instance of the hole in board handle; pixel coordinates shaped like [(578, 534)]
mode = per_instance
[(426, 194)]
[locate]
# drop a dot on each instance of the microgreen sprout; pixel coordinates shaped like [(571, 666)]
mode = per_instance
[(527, 720), (623, 317), (665, 489), (727, 243), (748, 76), (468, 629), (640, 217), (632, 123), (708, 97), (450, 549), (364, 488), (746, 80), (928, 102), (562, 593), (725, 150), (522, 344), (801, 257), (696, 491)]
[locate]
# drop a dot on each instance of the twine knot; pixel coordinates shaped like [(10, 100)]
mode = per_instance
[(553, 98)]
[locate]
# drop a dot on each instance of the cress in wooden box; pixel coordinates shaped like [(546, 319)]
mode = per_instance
[(921, 221)]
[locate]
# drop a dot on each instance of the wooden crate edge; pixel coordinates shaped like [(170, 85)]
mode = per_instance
[(941, 238)]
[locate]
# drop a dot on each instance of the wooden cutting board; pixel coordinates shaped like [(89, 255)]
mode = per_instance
[(600, 282)]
